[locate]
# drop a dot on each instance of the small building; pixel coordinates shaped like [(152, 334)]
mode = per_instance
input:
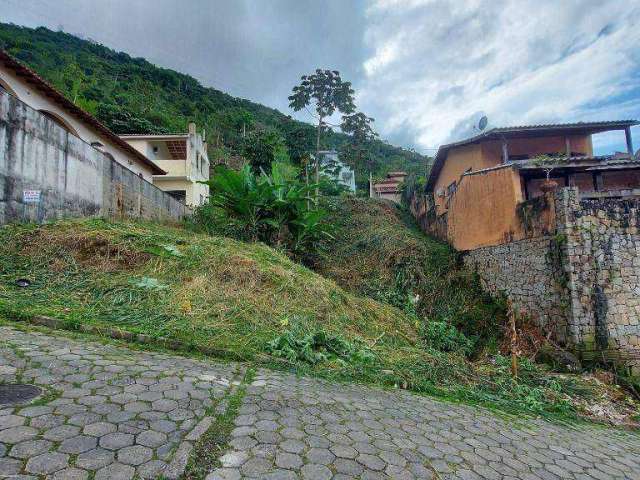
[(341, 172), (390, 188), (476, 184), (28, 87), (183, 157)]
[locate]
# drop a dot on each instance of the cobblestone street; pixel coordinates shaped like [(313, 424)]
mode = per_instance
[(122, 414)]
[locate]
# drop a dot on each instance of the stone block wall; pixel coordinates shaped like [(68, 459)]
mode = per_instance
[(583, 282), (602, 261), (71, 178), (529, 273)]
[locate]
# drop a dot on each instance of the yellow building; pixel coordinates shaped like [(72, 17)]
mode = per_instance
[(476, 184), (183, 157)]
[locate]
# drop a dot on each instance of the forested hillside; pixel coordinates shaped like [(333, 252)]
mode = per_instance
[(130, 95)]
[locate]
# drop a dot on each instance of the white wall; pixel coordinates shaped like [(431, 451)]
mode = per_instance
[(181, 175), (38, 101)]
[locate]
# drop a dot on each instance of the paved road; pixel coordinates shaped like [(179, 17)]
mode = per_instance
[(124, 414)]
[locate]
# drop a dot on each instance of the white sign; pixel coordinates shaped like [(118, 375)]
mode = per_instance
[(31, 196)]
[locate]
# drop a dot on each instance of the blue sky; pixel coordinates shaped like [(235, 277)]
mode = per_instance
[(426, 70)]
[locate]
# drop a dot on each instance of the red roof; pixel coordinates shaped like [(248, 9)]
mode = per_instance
[(38, 82)]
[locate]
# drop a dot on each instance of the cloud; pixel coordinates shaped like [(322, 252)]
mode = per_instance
[(253, 49), (436, 64), (424, 69)]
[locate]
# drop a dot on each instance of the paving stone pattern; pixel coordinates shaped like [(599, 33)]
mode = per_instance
[(119, 414), (292, 428), (124, 414)]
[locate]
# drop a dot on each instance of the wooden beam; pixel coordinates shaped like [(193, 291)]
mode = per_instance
[(567, 146), (505, 151), (627, 134)]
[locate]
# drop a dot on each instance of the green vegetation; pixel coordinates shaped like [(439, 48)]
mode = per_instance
[(130, 95), (273, 208), (377, 250), (215, 440), (203, 290), (250, 302)]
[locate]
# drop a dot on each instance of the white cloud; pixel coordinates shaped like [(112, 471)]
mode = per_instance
[(436, 65)]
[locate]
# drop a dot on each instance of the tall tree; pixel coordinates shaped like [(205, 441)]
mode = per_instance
[(327, 93), (357, 152)]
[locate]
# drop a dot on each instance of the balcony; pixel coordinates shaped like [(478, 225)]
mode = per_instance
[(174, 168)]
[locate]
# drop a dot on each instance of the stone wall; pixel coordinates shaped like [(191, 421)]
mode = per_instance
[(529, 273), (48, 173), (582, 283), (602, 261)]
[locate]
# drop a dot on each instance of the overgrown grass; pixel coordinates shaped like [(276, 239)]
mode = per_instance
[(378, 251), (161, 281), (249, 302)]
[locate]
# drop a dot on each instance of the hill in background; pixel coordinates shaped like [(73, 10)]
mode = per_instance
[(131, 95)]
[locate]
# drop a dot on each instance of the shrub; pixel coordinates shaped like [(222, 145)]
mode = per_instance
[(274, 209), (446, 338), (313, 347)]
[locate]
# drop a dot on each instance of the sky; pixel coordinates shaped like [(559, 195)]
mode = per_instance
[(426, 70)]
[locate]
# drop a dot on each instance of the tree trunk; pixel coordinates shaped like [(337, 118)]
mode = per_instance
[(318, 160)]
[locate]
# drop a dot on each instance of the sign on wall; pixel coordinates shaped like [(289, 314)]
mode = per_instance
[(31, 196)]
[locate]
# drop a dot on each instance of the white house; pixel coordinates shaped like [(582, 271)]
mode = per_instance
[(183, 157), (23, 83), (343, 173)]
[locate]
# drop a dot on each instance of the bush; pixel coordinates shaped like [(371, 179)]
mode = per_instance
[(297, 345), (446, 338), (274, 209)]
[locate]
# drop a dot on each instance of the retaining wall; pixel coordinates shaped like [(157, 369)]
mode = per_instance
[(602, 262), (582, 283), (530, 273), (47, 173)]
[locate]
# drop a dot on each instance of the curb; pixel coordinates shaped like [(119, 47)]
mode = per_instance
[(125, 335)]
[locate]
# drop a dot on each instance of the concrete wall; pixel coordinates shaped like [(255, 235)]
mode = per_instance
[(459, 160), (36, 100), (73, 178), (482, 211)]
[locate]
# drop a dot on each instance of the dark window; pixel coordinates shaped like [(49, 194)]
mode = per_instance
[(180, 195)]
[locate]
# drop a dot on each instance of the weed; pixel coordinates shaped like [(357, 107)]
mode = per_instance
[(215, 440), (297, 345)]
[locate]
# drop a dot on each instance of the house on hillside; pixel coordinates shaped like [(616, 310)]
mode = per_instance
[(24, 84), (476, 184), (56, 160), (183, 157), (390, 188), (331, 165), (549, 225)]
